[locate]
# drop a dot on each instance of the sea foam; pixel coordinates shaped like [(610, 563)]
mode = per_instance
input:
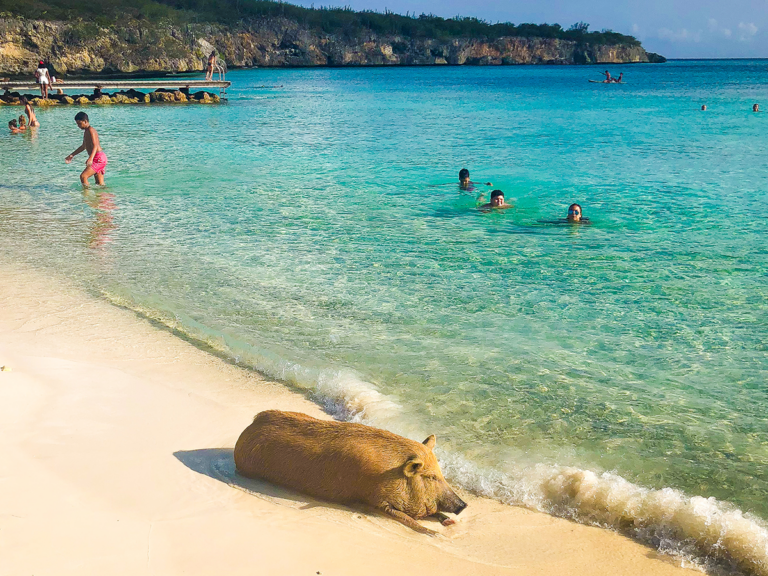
[(702, 532)]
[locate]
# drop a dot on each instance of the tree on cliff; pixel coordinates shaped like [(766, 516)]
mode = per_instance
[(341, 21)]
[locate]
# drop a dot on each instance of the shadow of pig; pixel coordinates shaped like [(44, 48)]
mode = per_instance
[(219, 464)]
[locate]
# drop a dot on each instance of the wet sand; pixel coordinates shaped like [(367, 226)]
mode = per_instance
[(116, 458)]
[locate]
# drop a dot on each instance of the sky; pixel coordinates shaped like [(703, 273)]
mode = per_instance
[(673, 28)]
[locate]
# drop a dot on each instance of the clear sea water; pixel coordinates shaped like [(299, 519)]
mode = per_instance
[(312, 228)]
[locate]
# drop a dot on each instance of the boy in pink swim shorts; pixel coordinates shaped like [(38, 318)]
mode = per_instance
[(97, 160)]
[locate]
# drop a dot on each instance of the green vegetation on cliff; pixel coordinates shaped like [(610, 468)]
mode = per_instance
[(342, 21)]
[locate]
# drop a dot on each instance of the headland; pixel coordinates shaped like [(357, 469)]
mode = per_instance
[(155, 37)]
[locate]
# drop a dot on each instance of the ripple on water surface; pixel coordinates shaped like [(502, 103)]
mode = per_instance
[(614, 373)]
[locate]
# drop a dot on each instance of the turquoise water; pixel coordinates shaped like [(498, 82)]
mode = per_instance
[(314, 230)]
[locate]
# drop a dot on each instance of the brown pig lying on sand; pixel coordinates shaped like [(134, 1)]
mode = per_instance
[(347, 463)]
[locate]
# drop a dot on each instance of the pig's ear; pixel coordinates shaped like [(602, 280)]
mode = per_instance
[(430, 442), (413, 466)]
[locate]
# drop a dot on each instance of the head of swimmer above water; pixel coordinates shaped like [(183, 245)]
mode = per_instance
[(497, 198), (574, 213), (464, 177)]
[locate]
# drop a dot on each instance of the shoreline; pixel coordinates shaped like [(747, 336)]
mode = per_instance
[(117, 458)]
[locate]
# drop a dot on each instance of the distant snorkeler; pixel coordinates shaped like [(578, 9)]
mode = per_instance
[(496, 203), (465, 183)]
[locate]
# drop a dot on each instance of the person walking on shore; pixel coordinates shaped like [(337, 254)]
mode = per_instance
[(97, 160), (211, 64), (43, 78)]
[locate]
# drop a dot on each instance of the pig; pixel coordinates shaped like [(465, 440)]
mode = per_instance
[(347, 463)]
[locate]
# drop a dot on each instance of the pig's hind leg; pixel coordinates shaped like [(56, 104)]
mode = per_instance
[(403, 518)]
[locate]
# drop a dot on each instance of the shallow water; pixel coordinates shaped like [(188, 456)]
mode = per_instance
[(314, 230)]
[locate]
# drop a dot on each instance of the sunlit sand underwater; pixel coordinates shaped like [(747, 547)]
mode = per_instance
[(312, 228)]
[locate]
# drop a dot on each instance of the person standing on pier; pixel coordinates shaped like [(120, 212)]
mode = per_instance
[(43, 78), (211, 64), (97, 160)]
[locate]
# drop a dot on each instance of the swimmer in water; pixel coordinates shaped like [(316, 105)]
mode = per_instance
[(575, 215), (14, 127), (496, 203), (703, 107), (755, 108), (465, 183)]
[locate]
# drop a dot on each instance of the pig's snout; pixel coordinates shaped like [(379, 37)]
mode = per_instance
[(452, 503)]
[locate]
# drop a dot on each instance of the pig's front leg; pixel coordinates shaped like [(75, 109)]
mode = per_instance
[(403, 518), (444, 519)]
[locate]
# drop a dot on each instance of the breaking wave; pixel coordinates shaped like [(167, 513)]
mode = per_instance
[(706, 533)]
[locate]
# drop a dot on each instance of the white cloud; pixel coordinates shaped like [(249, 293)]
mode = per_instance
[(682, 35), (715, 27), (746, 31)]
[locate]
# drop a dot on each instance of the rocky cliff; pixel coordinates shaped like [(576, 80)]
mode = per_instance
[(134, 46)]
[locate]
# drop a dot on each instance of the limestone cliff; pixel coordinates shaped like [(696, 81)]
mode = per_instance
[(134, 46)]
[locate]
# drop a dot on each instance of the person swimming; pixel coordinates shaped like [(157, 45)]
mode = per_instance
[(496, 203), (465, 183), (755, 108), (575, 215), (703, 107)]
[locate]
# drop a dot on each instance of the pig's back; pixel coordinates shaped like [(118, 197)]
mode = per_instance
[(336, 461)]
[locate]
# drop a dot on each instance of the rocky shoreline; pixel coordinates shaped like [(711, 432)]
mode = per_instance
[(122, 97), (80, 47)]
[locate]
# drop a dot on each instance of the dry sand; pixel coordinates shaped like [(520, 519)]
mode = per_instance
[(116, 458)]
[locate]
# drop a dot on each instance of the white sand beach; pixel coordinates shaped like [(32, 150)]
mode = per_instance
[(116, 458)]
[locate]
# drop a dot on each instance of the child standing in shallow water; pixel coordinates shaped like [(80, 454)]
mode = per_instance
[(97, 160)]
